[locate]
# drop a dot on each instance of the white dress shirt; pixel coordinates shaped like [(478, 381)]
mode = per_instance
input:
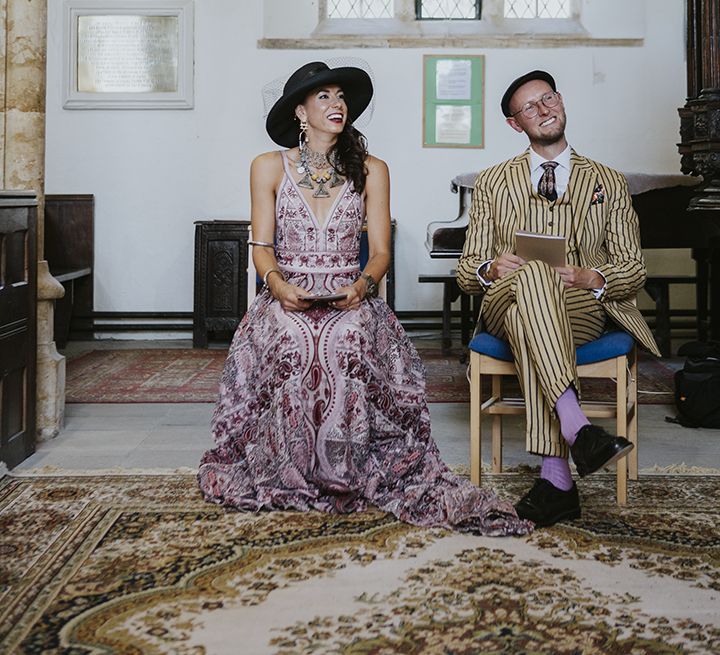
[(562, 170)]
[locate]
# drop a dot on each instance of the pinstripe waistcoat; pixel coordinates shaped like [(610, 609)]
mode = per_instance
[(607, 233)]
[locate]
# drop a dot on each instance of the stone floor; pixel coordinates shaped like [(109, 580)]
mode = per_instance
[(169, 436)]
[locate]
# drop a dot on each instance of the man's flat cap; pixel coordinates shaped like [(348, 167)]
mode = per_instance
[(516, 84)]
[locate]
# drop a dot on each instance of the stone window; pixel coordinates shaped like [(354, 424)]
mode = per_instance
[(448, 9), (537, 9), (341, 24), (360, 8), (424, 9)]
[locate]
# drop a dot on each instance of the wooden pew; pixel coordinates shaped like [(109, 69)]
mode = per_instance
[(70, 253)]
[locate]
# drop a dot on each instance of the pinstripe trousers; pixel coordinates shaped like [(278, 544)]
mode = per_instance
[(544, 322)]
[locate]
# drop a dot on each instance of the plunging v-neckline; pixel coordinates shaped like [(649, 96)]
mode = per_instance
[(333, 207)]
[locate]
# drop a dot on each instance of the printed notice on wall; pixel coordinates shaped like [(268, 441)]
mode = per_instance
[(127, 54), (453, 79), (453, 124), (453, 91)]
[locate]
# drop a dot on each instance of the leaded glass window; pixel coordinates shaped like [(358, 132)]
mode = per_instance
[(447, 9), (359, 8), (537, 9)]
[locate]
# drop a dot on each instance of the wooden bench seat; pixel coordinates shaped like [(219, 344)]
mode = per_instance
[(70, 253)]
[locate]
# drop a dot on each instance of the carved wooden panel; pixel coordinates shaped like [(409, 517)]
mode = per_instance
[(221, 263), (700, 117), (700, 133), (18, 341)]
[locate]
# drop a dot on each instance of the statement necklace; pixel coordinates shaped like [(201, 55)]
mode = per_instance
[(309, 160)]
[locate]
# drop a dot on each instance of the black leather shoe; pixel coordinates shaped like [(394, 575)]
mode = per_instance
[(545, 504), (594, 448)]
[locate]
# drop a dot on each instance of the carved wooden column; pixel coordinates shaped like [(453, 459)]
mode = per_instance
[(700, 132), (700, 117)]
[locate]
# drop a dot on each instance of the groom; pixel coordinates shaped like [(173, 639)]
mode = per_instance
[(546, 312)]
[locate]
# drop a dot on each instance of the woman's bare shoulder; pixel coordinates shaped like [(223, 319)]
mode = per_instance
[(267, 169), (268, 161), (376, 166)]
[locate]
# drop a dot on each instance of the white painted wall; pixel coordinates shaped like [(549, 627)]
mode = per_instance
[(155, 172)]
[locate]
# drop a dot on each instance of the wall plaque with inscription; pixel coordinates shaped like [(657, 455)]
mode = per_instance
[(127, 54), (136, 54)]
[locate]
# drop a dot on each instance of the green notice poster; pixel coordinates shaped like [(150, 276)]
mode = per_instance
[(453, 91)]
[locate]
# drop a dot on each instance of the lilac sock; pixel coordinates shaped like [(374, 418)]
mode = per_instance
[(570, 414), (556, 471)]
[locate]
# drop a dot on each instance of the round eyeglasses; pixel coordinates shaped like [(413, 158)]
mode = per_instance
[(530, 109)]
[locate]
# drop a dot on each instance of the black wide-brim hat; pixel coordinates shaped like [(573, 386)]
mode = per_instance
[(516, 84), (356, 84)]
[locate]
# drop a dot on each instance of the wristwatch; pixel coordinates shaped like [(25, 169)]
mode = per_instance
[(484, 267), (370, 285)]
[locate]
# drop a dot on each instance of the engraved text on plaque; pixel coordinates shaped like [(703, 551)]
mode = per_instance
[(127, 54)]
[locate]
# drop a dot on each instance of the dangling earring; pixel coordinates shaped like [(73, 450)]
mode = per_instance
[(302, 166), (302, 137)]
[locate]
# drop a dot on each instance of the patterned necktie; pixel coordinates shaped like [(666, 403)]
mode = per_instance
[(546, 186)]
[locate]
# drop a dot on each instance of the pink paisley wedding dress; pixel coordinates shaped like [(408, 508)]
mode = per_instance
[(325, 409)]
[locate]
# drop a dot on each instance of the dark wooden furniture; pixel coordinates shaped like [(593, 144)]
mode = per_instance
[(658, 288), (221, 284), (700, 134), (468, 314), (665, 223), (70, 253), (18, 336)]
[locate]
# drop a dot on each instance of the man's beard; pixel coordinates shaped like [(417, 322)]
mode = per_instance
[(551, 139)]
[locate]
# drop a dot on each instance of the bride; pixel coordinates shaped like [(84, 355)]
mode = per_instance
[(322, 399)]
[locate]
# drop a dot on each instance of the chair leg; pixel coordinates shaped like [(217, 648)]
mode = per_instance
[(447, 317), (475, 418), (633, 421), (465, 319), (497, 427), (621, 429), (622, 482), (660, 293), (702, 259)]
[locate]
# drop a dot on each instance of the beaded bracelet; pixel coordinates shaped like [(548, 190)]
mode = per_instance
[(272, 270)]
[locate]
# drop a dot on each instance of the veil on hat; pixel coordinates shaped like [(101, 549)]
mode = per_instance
[(274, 89)]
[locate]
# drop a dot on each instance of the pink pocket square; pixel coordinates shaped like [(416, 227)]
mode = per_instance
[(598, 196)]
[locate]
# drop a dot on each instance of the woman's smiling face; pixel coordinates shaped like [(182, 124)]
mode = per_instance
[(325, 109)]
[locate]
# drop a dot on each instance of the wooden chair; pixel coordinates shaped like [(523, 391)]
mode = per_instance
[(613, 355)]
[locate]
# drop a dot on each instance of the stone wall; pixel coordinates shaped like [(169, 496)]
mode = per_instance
[(23, 48), (22, 100)]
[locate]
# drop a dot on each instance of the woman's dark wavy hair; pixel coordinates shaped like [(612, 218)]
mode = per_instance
[(351, 151)]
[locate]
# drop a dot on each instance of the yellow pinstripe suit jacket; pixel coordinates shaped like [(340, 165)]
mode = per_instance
[(607, 232)]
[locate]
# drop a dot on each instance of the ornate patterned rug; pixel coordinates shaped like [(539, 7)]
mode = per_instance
[(130, 564), (192, 376)]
